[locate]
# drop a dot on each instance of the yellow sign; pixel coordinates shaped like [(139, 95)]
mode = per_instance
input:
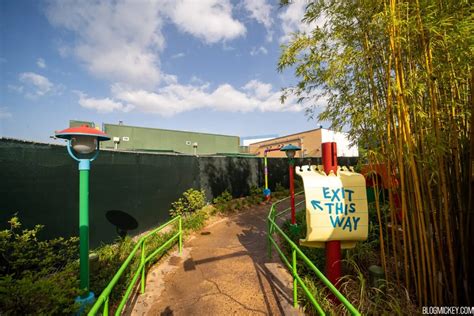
[(336, 206)]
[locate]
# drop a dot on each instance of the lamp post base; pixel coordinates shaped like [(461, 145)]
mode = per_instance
[(295, 229), (84, 302)]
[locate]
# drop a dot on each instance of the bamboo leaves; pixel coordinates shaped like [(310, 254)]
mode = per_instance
[(398, 74)]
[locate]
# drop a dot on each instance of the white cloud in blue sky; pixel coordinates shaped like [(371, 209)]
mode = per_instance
[(35, 85), (41, 63), (108, 60), (4, 113)]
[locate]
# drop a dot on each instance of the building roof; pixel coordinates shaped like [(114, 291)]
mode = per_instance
[(169, 130), (286, 136)]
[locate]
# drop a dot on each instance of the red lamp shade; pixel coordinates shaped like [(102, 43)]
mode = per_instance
[(84, 139)]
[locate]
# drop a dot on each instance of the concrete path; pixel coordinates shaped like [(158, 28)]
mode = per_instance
[(224, 270)]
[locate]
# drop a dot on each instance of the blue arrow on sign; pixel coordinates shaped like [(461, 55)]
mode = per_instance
[(316, 204)]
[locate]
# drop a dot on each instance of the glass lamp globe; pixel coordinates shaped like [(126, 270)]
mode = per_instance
[(290, 153), (84, 144)]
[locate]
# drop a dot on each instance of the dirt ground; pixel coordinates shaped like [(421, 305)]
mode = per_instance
[(224, 270)]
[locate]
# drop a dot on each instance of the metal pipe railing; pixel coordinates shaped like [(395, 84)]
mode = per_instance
[(295, 254), (103, 298)]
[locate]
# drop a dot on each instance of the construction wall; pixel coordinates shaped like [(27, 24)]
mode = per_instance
[(40, 183)]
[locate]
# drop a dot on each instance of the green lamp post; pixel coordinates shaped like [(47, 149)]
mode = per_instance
[(83, 146), (290, 151)]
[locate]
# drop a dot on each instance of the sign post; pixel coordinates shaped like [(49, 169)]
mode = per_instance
[(336, 209), (333, 247)]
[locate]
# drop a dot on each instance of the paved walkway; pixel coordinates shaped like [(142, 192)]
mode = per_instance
[(224, 270)]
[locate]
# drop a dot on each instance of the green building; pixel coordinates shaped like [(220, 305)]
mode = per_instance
[(134, 138)]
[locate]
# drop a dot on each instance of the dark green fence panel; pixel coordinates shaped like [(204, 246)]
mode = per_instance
[(235, 174), (40, 183)]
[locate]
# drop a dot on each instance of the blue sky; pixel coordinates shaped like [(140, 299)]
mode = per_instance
[(207, 65)]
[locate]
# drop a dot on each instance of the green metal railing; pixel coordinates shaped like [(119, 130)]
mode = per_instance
[(295, 254), (103, 299)]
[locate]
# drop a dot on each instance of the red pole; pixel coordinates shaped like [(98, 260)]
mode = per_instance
[(292, 194), (333, 247)]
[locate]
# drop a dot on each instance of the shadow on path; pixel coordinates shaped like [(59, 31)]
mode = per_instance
[(227, 270)]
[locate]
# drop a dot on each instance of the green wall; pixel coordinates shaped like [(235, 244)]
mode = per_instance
[(141, 138), (40, 183), (75, 123)]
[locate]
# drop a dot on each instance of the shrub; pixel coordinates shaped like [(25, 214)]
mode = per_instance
[(33, 294), (224, 197), (279, 187), (256, 195), (280, 192), (191, 201), (22, 251), (196, 220), (41, 277), (37, 277), (222, 202)]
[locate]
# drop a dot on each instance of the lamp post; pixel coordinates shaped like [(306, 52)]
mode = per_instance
[(83, 146), (290, 151)]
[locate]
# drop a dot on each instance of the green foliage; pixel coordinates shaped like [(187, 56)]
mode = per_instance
[(280, 192), (195, 221), (224, 197), (256, 195), (111, 257), (298, 184), (37, 277), (222, 202), (191, 201), (39, 294), (388, 299), (225, 204), (41, 277), (22, 251), (279, 187), (397, 75)]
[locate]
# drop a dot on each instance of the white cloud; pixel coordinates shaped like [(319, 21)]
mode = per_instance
[(105, 105), (41, 63), (198, 81), (40, 84), (178, 55), (209, 20), (176, 98), (257, 51), (261, 11), (15, 88), (291, 20), (258, 89), (4, 113), (121, 41), (116, 40)]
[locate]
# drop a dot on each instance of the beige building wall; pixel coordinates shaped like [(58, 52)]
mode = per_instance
[(309, 142)]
